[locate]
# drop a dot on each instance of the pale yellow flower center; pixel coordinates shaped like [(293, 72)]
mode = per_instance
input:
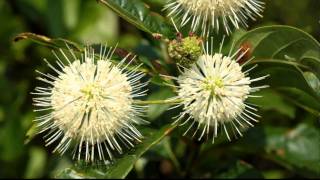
[(91, 91), (213, 84)]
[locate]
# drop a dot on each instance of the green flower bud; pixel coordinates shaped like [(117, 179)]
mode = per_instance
[(185, 51)]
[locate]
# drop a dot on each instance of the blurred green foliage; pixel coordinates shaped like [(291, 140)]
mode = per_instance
[(285, 144)]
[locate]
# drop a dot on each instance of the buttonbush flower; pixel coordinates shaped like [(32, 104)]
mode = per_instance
[(213, 94), (205, 15), (89, 105)]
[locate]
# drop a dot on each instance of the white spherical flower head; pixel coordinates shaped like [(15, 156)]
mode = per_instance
[(210, 14), (213, 93), (91, 106), (219, 86)]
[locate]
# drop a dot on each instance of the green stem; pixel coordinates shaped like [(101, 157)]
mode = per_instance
[(164, 49), (171, 154), (166, 101)]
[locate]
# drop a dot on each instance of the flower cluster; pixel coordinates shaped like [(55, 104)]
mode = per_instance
[(214, 92), (90, 104)]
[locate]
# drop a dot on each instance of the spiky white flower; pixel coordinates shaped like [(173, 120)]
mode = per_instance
[(90, 104), (213, 93), (205, 15)]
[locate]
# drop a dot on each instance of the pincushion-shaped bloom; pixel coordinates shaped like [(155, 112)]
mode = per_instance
[(89, 105), (205, 15), (213, 93)]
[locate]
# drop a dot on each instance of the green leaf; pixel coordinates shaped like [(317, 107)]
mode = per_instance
[(313, 81), (283, 44), (123, 165), (276, 42), (289, 55), (296, 149), (138, 13), (301, 99), (240, 169), (273, 100)]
